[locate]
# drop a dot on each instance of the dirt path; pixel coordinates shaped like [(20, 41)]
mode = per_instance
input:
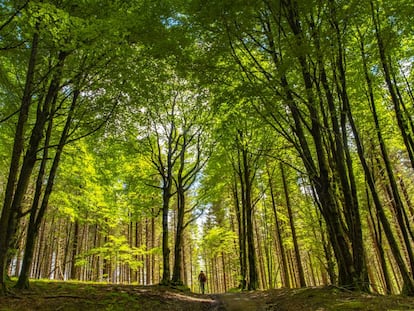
[(70, 296), (237, 302)]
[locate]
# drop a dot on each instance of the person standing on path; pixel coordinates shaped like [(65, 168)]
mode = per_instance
[(202, 279)]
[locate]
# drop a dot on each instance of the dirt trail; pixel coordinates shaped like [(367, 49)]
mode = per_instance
[(237, 302), (70, 296)]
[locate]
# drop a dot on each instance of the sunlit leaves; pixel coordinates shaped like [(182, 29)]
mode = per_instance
[(218, 240), (118, 249)]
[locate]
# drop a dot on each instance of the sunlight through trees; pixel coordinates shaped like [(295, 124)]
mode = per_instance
[(267, 143)]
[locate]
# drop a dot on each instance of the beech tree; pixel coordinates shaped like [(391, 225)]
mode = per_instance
[(55, 84), (287, 125), (174, 132)]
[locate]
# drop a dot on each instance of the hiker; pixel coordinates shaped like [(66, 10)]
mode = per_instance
[(202, 279)]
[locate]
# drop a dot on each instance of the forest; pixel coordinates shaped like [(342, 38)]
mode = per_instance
[(269, 143)]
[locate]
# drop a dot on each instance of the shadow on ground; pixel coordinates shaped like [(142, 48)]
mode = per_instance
[(68, 296)]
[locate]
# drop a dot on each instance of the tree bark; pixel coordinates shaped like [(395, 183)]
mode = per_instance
[(241, 237), (392, 88), (176, 279), (74, 251), (7, 213), (282, 253), (37, 213), (298, 261), (407, 278), (408, 281), (376, 236), (246, 177)]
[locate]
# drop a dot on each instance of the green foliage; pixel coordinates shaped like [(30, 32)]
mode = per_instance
[(218, 240), (116, 248), (151, 72)]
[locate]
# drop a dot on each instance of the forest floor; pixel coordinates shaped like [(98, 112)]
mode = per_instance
[(72, 296)]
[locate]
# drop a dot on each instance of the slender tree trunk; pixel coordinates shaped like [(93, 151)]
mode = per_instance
[(37, 213), (408, 281), (407, 278), (153, 246), (41, 251), (30, 158), (106, 270), (223, 263), (95, 258), (147, 256), (242, 238), (282, 253), (6, 213), (184, 275), (176, 279), (407, 198), (298, 260), (399, 207), (246, 179), (403, 229), (386, 66), (166, 173), (261, 268), (327, 249), (267, 249), (311, 270), (377, 240), (75, 245), (23, 281), (137, 244), (165, 242), (345, 166), (318, 168)]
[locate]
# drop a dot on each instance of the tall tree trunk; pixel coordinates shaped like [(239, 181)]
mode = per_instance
[(177, 268), (399, 207), (327, 249), (267, 249), (153, 246), (30, 158), (23, 281), (37, 213), (148, 247), (15, 162), (387, 70), (282, 253), (261, 268), (246, 178), (318, 168), (345, 167), (165, 243), (407, 278), (223, 263), (377, 240), (241, 237), (407, 198), (398, 210), (166, 173), (298, 261), (106, 269), (176, 279), (184, 270), (74, 251), (95, 258), (408, 281)]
